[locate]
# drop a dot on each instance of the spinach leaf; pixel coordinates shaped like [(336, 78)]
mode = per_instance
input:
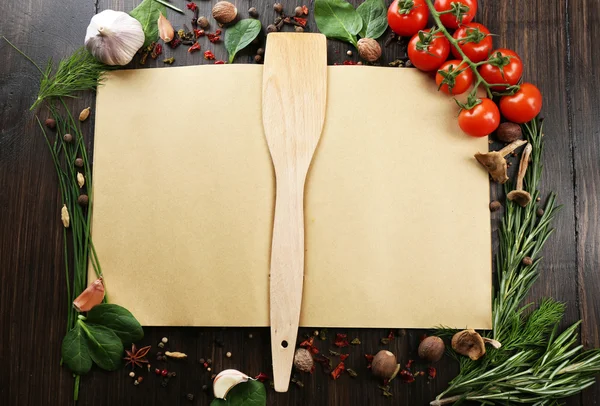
[(75, 353), (338, 19), (240, 35), (374, 17), (251, 393), (106, 348), (147, 13), (118, 319)]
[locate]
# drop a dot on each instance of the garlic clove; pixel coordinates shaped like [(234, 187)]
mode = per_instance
[(90, 297), (165, 29), (114, 37), (226, 380)]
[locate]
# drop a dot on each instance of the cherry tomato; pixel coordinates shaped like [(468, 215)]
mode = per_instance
[(431, 54), (509, 71), (454, 84), (523, 106), (479, 48), (481, 120), (449, 20), (407, 17)]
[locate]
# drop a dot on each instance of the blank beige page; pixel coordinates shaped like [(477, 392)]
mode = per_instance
[(396, 208)]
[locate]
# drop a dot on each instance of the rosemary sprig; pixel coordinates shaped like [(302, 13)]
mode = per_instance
[(535, 364)]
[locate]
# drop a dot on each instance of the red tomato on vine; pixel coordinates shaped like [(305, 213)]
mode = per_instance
[(474, 40), (454, 77), (407, 17), (428, 51), (523, 106), (505, 67), (480, 120), (467, 9)]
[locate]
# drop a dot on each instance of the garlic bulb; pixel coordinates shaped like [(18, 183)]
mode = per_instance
[(113, 37)]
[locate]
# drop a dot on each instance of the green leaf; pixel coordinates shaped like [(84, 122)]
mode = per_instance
[(338, 19), (106, 348), (374, 17), (240, 35), (75, 352), (251, 393), (147, 13), (118, 319)]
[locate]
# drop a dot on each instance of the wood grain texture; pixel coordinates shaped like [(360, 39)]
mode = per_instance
[(554, 36), (293, 105)]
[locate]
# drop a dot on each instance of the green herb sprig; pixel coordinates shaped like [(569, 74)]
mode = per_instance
[(536, 364)]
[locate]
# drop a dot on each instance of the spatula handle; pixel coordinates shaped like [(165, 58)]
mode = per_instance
[(287, 276)]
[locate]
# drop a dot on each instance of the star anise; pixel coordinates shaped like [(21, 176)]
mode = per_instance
[(136, 357)]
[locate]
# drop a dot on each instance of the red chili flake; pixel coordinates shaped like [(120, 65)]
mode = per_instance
[(344, 356), (208, 55), (409, 363), (214, 37), (341, 340), (305, 10), (192, 6), (218, 32), (335, 374), (219, 62), (406, 376), (307, 343), (301, 21), (194, 48), (156, 51), (369, 358), (349, 62), (174, 43), (199, 33), (261, 377)]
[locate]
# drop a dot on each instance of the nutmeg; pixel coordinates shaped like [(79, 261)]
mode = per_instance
[(432, 349), (224, 12), (509, 132), (303, 360), (384, 365), (369, 49)]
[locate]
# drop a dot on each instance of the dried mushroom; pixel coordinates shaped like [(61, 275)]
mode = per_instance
[(495, 163), (469, 343), (520, 196)]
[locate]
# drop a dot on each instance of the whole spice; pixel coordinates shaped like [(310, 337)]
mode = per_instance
[(272, 28), (85, 113), (520, 196), (384, 365), (258, 58), (495, 206), (203, 22), (527, 261), (432, 349), (83, 200), (132, 374), (64, 216), (278, 7), (224, 12), (252, 12), (303, 360), (189, 397), (260, 51), (175, 354), (539, 212), (80, 179), (135, 357), (299, 11), (78, 162), (369, 49), (469, 343), (67, 138), (50, 123), (113, 37), (298, 29), (495, 163), (509, 132), (165, 29)]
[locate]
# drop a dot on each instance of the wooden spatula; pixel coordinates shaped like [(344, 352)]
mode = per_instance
[(294, 96)]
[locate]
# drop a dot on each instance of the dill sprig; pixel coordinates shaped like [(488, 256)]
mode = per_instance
[(535, 365)]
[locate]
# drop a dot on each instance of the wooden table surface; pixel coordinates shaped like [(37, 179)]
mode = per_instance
[(556, 39)]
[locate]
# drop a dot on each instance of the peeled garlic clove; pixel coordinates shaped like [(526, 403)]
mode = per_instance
[(226, 380), (90, 297), (113, 37), (165, 29)]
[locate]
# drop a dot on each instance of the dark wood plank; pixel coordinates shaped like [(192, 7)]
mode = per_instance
[(33, 300), (584, 117)]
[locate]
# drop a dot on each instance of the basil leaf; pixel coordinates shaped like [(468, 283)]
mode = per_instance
[(251, 393), (240, 35), (106, 348), (338, 19), (75, 352), (374, 17), (118, 319), (147, 13)]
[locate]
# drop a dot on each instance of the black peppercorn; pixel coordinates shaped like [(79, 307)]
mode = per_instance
[(79, 163), (540, 212), (205, 388), (299, 11), (189, 397), (68, 138), (271, 28), (278, 7), (164, 383), (298, 29), (83, 200), (252, 12), (260, 51), (258, 58), (50, 123), (209, 361)]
